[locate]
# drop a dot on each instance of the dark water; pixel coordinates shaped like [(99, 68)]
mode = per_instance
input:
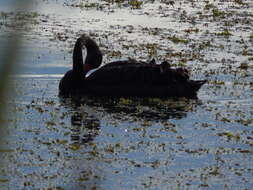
[(104, 143)]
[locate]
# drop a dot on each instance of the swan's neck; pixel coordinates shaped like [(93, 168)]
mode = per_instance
[(93, 55), (78, 57)]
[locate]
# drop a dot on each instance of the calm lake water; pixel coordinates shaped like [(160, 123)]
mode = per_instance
[(130, 143)]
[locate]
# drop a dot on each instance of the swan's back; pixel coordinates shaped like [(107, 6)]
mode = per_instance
[(129, 72), (129, 78)]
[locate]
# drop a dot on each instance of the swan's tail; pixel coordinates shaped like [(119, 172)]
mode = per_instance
[(197, 84)]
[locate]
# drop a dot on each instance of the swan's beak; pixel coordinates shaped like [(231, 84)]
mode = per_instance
[(90, 72)]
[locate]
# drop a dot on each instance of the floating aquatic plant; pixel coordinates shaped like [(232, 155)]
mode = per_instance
[(225, 32), (74, 146), (191, 30), (245, 52), (135, 4), (218, 13), (240, 2), (209, 6), (244, 66), (250, 58), (251, 36), (230, 135), (176, 40)]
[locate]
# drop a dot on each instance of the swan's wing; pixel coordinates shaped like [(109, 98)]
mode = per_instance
[(123, 63), (140, 80), (119, 73), (90, 72), (112, 65)]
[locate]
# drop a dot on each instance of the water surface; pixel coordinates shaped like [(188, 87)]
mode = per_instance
[(104, 143)]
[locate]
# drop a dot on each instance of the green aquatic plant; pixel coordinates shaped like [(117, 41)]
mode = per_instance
[(152, 49), (216, 82), (245, 122), (245, 52), (244, 66), (225, 33), (182, 64), (125, 101), (251, 36), (26, 17), (135, 4), (209, 6), (218, 13), (191, 30), (87, 5), (115, 54), (205, 45), (215, 171), (230, 135), (239, 2), (177, 40), (114, 1), (74, 146)]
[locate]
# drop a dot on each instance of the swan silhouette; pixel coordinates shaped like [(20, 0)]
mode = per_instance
[(124, 78)]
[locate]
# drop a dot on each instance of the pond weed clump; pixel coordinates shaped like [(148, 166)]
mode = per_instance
[(251, 36), (225, 33), (177, 40), (105, 4), (218, 13)]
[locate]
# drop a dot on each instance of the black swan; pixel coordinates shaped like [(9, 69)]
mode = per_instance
[(124, 78)]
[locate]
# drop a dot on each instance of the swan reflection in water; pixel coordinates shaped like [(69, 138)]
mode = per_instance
[(86, 112), (84, 128), (85, 124)]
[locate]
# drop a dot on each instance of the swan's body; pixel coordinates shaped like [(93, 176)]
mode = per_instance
[(124, 78)]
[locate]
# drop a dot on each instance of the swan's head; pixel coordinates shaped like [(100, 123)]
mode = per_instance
[(92, 58), (75, 79), (93, 55)]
